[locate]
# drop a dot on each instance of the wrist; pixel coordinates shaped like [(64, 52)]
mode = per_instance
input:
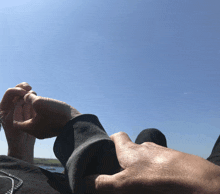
[(26, 153), (201, 176), (27, 157), (211, 179)]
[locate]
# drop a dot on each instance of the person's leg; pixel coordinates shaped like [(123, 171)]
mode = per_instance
[(151, 135), (215, 155)]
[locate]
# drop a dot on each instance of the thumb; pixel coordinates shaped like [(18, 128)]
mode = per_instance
[(18, 121), (101, 183), (28, 126), (18, 114), (30, 97)]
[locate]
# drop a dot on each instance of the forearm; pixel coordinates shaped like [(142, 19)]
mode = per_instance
[(27, 156), (22, 147), (198, 175), (210, 174)]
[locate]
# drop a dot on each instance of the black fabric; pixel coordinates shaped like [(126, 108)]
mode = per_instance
[(36, 180), (215, 155), (84, 148), (151, 135)]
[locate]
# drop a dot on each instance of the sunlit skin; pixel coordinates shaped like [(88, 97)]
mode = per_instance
[(26, 116), (153, 169), (20, 144), (146, 168)]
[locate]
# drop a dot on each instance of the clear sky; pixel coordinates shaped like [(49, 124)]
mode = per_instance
[(135, 64)]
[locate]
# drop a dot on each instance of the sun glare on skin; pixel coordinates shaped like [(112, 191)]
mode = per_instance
[(159, 160)]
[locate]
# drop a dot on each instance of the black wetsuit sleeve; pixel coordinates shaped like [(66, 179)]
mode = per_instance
[(84, 148)]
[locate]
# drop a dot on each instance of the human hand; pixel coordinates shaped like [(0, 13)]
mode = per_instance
[(153, 169), (49, 118), (20, 144)]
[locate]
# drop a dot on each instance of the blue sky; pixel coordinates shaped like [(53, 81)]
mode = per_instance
[(134, 64)]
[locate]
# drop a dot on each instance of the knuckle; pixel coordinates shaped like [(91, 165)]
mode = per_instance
[(25, 84), (132, 146), (151, 144), (146, 143), (37, 101), (9, 90), (120, 183), (14, 92), (102, 183), (98, 183), (121, 133), (117, 135), (33, 92)]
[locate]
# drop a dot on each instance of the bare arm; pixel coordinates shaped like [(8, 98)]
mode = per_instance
[(150, 168), (20, 144)]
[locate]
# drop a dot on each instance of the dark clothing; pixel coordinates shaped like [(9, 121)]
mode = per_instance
[(215, 155), (83, 148), (35, 180), (151, 135)]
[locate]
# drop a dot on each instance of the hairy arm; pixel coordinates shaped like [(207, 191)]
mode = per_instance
[(150, 168)]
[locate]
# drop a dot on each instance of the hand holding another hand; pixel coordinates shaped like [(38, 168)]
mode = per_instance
[(20, 144), (49, 117)]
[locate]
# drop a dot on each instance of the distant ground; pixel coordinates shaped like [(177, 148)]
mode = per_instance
[(47, 162)]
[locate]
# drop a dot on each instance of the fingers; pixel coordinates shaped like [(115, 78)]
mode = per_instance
[(19, 110), (23, 125), (19, 123), (121, 141), (12, 95), (9, 96), (120, 137), (30, 97), (25, 86), (28, 110), (29, 126), (101, 183), (33, 92), (35, 102), (19, 90), (23, 111), (23, 118)]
